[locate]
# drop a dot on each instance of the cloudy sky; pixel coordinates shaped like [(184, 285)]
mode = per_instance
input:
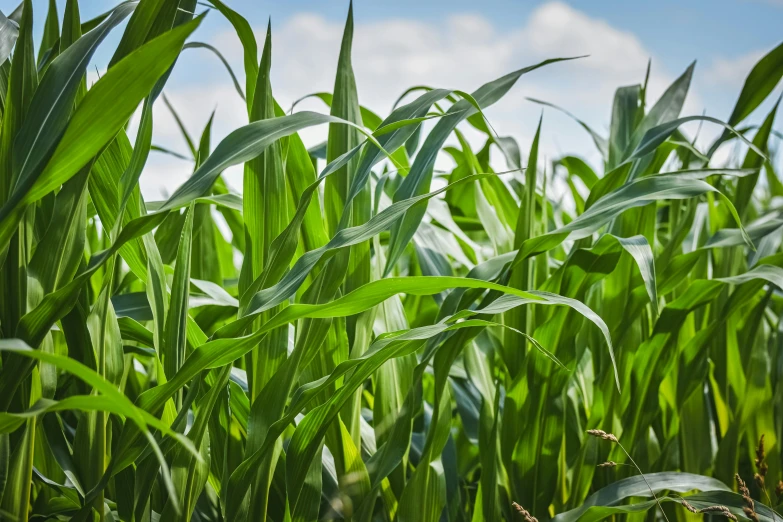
[(462, 44)]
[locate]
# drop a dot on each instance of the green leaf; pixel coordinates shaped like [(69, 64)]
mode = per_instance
[(666, 109), (761, 81), (51, 34), (99, 117), (418, 179), (638, 487), (245, 33), (173, 349), (9, 32)]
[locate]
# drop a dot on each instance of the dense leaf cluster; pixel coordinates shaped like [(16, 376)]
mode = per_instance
[(357, 335)]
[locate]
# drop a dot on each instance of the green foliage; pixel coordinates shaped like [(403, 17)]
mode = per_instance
[(370, 338)]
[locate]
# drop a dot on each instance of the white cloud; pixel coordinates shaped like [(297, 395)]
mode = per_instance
[(558, 29), (722, 81), (731, 72), (463, 52)]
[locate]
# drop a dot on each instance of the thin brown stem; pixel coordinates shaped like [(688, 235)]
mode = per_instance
[(645, 480)]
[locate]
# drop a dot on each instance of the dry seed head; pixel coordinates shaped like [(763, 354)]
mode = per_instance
[(524, 512), (687, 505), (779, 490), (761, 464), (721, 510), (607, 464), (750, 508), (601, 434)]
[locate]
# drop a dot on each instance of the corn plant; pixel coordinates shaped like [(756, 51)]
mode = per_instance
[(357, 335)]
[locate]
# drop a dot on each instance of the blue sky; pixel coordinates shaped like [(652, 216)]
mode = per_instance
[(697, 28), (462, 44)]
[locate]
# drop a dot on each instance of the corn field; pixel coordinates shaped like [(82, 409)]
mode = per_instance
[(359, 335)]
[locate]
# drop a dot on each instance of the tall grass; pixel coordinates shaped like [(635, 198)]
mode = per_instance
[(397, 342)]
